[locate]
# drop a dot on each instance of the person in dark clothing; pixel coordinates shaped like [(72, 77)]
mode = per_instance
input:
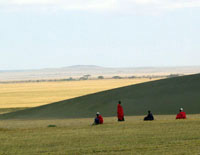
[(149, 117)]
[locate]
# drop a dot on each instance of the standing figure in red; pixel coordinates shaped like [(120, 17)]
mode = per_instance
[(181, 114), (120, 112), (98, 119)]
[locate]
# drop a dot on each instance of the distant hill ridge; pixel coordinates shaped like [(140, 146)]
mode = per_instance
[(80, 70), (161, 97), (83, 66)]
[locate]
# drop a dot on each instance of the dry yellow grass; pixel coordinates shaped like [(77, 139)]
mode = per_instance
[(35, 94)]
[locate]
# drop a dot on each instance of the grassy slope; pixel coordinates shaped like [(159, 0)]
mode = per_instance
[(76, 136), (20, 95), (162, 97), (7, 110)]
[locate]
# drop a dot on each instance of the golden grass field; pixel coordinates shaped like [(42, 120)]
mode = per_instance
[(35, 94)]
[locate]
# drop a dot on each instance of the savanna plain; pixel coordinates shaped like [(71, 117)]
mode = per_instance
[(23, 95), (165, 135)]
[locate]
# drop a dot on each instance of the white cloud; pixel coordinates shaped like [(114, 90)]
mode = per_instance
[(27, 2), (99, 5), (182, 4)]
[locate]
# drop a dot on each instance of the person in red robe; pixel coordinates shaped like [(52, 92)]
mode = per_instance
[(98, 119), (120, 112), (181, 114)]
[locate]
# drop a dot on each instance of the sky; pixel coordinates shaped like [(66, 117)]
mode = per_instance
[(111, 33)]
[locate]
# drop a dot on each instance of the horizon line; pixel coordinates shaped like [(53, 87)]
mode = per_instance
[(70, 66)]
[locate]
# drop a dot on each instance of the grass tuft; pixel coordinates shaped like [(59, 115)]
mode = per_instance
[(50, 126)]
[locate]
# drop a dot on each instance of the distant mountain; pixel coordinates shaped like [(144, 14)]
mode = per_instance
[(82, 66), (80, 70)]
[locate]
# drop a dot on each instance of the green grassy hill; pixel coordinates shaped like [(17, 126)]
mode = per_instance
[(161, 97)]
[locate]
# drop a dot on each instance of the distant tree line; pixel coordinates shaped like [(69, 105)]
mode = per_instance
[(88, 77), (85, 77), (174, 75)]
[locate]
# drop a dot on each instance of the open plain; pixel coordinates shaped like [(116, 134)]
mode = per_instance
[(55, 129), (165, 135), (22, 95)]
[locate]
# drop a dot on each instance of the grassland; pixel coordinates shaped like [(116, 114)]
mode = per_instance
[(36, 94), (164, 96), (7, 110), (165, 135), (28, 132)]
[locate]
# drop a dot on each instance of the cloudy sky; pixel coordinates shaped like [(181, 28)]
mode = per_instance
[(113, 33)]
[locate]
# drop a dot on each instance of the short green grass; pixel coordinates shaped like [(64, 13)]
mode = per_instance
[(7, 110), (165, 135)]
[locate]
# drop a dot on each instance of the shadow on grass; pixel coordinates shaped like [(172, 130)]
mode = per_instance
[(8, 110)]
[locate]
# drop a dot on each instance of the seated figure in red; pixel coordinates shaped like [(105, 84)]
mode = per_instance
[(181, 114), (98, 119)]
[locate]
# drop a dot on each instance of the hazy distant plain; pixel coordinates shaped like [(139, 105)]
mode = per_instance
[(95, 71)]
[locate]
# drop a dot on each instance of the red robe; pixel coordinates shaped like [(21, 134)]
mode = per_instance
[(100, 119), (181, 115), (120, 112)]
